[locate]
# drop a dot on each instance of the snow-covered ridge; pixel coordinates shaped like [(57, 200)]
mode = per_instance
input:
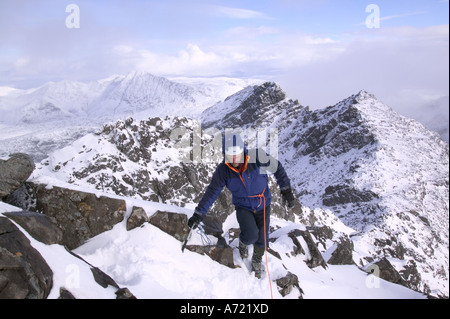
[(113, 97)]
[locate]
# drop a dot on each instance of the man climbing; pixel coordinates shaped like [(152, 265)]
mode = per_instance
[(247, 180)]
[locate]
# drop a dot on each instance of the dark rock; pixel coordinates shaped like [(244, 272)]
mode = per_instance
[(24, 274), (344, 194), (65, 294), (287, 283), (384, 270), (103, 279), (22, 197), (14, 171), (343, 254), (172, 223), (39, 226), (316, 256), (137, 217), (124, 293), (79, 215), (223, 255)]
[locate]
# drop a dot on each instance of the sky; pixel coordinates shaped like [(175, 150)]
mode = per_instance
[(320, 51)]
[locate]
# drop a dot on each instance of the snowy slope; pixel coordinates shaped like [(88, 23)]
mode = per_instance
[(151, 265)]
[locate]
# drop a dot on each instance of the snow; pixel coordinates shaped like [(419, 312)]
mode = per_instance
[(151, 265)]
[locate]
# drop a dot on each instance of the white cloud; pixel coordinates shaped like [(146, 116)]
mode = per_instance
[(405, 67), (237, 13), (191, 61)]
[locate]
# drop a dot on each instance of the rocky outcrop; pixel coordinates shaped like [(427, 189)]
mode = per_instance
[(13, 172), (344, 194), (288, 283), (172, 223), (223, 255), (176, 225), (316, 258), (39, 226), (384, 270), (343, 254), (79, 215), (24, 274), (137, 217)]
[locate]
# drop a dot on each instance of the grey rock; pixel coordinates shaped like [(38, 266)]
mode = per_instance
[(137, 218), (287, 283), (39, 226), (24, 274), (79, 215), (14, 171)]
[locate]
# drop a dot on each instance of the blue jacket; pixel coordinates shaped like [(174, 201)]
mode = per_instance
[(252, 182)]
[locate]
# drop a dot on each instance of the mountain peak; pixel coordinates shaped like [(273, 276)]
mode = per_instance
[(257, 105)]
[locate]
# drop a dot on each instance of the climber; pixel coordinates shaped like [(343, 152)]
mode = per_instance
[(247, 180)]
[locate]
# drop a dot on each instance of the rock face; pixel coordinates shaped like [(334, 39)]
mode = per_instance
[(79, 215), (172, 223), (39, 226), (384, 270), (24, 274), (13, 172)]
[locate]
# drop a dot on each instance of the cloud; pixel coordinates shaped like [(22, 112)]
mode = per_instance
[(191, 61), (405, 67), (237, 13)]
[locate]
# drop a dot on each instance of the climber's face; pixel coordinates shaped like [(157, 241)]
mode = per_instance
[(235, 160)]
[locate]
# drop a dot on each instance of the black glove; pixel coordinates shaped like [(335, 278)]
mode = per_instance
[(288, 197), (195, 220)]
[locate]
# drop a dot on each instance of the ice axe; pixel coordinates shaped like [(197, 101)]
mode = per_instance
[(187, 237)]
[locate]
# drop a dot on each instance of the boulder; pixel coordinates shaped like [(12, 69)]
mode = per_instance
[(316, 258), (13, 172), (223, 255), (172, 223), (24, 274), (384, 270), (137, 217), (176, 225), (287, 283), (343, 254), (39, 226), (79, 215)]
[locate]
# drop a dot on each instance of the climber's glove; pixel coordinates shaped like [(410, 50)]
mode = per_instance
[(288, 197), (195, 220)]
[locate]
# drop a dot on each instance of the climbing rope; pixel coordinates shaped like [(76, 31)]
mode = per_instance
[(262, 199)]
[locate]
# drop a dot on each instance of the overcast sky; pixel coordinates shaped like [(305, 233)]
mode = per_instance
[(319, 51)]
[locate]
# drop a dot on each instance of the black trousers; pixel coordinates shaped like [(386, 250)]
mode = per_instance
[(252, 226)]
